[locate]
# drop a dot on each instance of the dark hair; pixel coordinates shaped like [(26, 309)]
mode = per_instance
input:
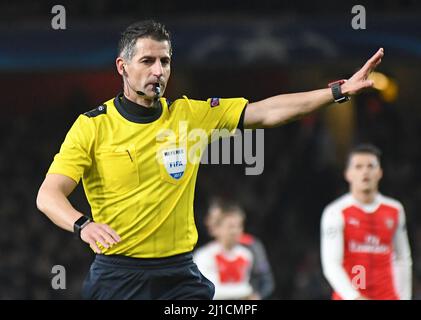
[(364, 148), (142, 29), (227, 207)]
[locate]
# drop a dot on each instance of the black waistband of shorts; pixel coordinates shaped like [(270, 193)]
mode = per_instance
[(124, 261)]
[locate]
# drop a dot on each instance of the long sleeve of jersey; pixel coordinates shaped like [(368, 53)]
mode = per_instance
[(262, 278), (332, 250), (402, 262)]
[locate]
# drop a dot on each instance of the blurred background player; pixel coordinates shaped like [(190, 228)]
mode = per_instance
[(225, 261), (364, 245), (262, 279)]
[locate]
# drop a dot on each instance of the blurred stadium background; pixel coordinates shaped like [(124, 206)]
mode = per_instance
[(228, 48)]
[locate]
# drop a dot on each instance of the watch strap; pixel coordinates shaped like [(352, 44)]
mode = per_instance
[(337, 92), (79, 224)]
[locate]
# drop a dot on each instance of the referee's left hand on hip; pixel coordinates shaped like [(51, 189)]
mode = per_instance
[(95, 233), (360, 80)]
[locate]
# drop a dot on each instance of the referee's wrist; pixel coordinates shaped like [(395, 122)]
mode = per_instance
[(79, 224), (344, 89), (339, 91)]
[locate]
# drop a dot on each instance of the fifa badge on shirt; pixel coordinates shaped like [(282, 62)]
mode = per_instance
[(175, 161)]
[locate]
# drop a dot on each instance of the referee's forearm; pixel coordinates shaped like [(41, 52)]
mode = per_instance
[(55, 205), (280, 109), (294, 106)]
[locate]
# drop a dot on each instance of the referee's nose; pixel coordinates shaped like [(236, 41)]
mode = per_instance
[(157, 69)]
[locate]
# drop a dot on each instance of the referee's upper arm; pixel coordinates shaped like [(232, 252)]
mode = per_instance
[(53, 185), (60, 182)]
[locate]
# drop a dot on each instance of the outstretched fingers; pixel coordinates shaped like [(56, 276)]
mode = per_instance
[(373, 62)]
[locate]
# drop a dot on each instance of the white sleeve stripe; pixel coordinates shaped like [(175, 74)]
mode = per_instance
[(402, 261), (332, 251)]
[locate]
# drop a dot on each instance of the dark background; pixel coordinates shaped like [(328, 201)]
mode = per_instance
[(253, 49)]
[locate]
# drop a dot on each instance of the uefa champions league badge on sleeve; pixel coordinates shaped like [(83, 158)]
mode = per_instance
[(214, 102), (175, 161)]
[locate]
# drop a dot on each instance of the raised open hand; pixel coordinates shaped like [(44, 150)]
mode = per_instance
[(360, 80)]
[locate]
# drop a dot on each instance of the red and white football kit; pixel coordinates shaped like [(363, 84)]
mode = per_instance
[(229, 270), (365, 249)]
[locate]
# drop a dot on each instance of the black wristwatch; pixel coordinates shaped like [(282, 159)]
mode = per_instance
[(337, 92), (80, 223)]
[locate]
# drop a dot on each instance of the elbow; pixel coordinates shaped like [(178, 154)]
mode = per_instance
[(272, 122), (40, 201), (276, 120)]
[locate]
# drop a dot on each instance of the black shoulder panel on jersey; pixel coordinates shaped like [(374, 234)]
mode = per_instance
[(97, 111)]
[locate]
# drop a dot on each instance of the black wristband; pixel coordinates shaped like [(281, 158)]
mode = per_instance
[(80, 223), (337, 92)]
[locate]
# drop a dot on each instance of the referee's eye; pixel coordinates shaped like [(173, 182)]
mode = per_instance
[(165, 62), (147, 61)]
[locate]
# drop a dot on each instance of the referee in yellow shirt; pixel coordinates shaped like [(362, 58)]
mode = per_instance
[(138, 156)]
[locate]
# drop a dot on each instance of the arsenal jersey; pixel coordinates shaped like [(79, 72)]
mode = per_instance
[(365, 249)]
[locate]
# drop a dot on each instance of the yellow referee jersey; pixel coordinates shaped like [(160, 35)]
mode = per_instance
[(139, 176)]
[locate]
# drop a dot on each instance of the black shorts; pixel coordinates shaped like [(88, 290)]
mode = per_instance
[(122, 278)]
